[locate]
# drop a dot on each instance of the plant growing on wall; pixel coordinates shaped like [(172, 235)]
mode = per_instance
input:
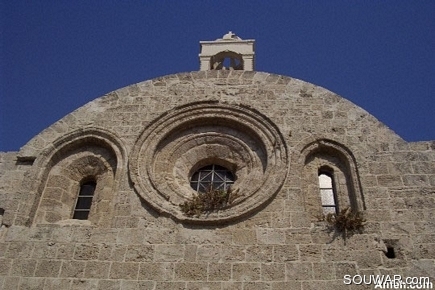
[(346, 222), (211, 200)]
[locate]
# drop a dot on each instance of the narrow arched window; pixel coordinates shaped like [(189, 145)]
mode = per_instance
[(84, 200), (327, 193), (211, 177)]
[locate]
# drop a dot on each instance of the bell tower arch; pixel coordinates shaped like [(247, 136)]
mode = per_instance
[(227, 53)]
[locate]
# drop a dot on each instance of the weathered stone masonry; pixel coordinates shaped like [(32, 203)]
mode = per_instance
[(141, 144)]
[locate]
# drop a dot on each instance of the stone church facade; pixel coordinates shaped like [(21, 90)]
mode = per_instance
[(95, 200)]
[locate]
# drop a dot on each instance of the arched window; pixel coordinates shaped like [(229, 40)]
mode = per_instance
[(226, 60), (327, 193), (211, 176), (330, 179), (84, 200)]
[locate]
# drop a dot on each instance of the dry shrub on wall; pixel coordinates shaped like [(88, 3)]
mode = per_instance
[(211, 200), (346, 222)]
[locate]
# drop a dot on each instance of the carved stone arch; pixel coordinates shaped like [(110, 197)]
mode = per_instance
[(329, 155), (181, 141), (90, 153)]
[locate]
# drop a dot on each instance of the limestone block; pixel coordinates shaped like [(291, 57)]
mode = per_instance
[(104, 235), (45, 250), (219, 272), (86, 252), (80, 284), (233, 254), (286, 285), (120, 270), (312, 285), (420, 251), (246, 271), (298, 271), (62, 234), (156, 271), (210, 253), (109, 285), (300, 220), (271, 236), (244, 237), (10, 282), (367, 259), (170, 253), (285, 253), (56, 284), (81, 234), (324, 271), (280, 219), (96, 269), (416, 180), (18, 233), (204, 285), (257, 286), (190, 253), (23, 267), (5, 265), (232, 285), (261, 219), (345, 268), (259, 253), (171, 286), (65, 251), (311, 252), (48, 268), (137, 285), (139, 253), (31, 283), (72, 269), (118, 252), (272, 271), (191, 271)]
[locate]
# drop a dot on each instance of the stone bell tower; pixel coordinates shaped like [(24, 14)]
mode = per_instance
[(227, 53)]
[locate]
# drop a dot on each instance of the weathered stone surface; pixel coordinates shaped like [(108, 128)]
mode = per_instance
[(127, 271), (246, 271), (191, 271), (142, 144), (72, 269), (96, 269)]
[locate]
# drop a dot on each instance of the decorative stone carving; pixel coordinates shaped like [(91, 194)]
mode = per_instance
[(177, 144)]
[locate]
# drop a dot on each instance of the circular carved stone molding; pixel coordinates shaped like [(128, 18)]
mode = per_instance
[(187, 138)]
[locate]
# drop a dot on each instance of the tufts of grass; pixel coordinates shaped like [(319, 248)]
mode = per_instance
[(346, 222), (211, 200)]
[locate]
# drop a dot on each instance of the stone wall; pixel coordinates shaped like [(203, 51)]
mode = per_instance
[(275, 133)]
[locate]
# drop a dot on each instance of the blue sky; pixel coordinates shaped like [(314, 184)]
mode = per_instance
[(57, 55)]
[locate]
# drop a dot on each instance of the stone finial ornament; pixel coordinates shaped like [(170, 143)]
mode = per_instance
[(230, 36)]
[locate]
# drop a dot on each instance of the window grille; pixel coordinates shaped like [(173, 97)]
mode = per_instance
[(212, 177)]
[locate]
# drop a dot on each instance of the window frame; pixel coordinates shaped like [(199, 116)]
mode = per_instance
[(330, 174), (83, 195), (199, 183)]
